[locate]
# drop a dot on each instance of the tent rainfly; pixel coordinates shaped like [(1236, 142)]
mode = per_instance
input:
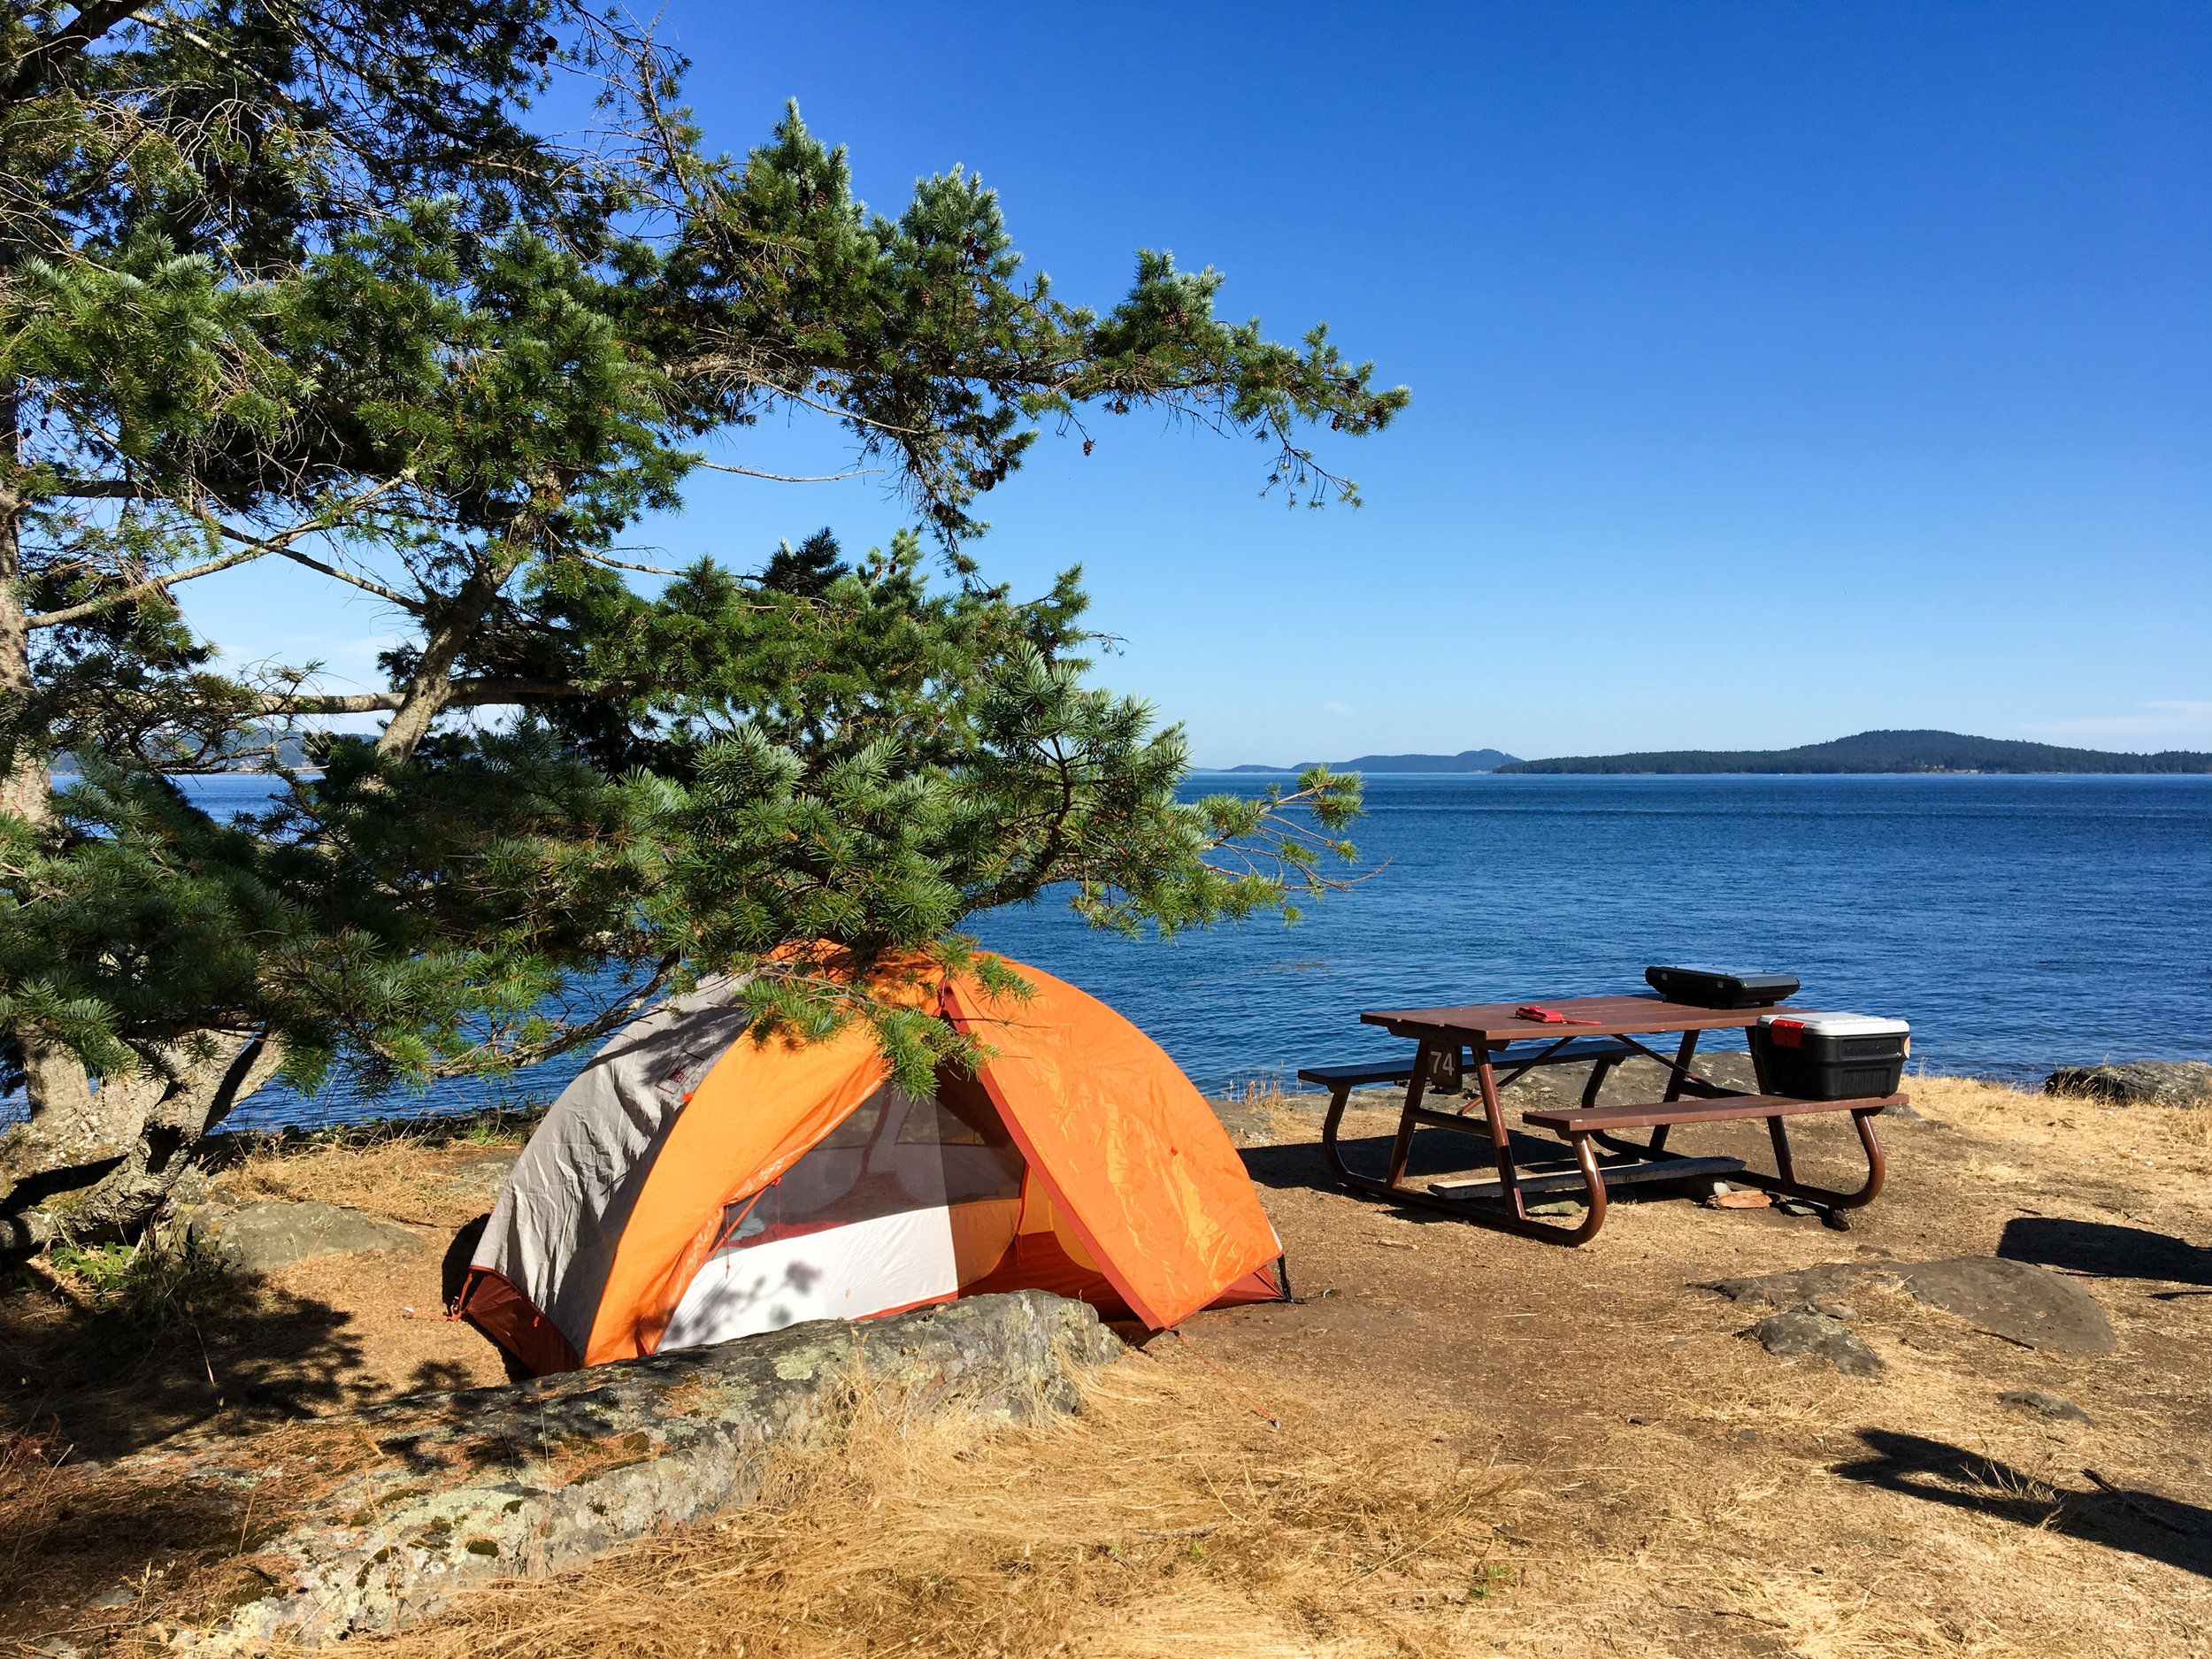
[(693, 1183)]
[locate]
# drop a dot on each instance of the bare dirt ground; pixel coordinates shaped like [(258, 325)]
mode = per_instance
[(196, 1355), (1486, 1445), (1686, 1491)]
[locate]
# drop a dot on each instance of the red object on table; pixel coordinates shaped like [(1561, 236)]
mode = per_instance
[(1548, 1016)]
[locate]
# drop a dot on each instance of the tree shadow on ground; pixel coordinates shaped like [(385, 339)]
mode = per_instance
[(64, 1542), (1433, 1154), (439, 1377), (2105, 1251), (2141, 1523), (110, 1382)]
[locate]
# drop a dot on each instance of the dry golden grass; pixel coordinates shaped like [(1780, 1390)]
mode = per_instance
[(1723, 1525), (2165, 1152), (1167, 1518), (29, 1461), (402, 1170)]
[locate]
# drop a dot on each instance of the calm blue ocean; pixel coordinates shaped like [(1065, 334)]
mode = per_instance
[(2018, 922)]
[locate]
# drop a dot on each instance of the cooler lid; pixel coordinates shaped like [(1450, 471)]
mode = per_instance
[(1840, 1025)]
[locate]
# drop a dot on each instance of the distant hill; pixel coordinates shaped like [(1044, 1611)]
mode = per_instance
[(1466, 760), (1880, 751), (291, 750)]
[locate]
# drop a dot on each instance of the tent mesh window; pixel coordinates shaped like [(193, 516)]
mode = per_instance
[(892, 1155)]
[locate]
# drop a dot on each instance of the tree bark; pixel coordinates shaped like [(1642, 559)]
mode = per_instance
[(452, 624), (24, 786), (113, 1193), (70, 1123)]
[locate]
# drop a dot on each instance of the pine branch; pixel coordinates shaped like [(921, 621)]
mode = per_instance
[(467, 693), (405, 602), (140, 591), (251, 548), (787, 478), (71, 41), (98, 489)]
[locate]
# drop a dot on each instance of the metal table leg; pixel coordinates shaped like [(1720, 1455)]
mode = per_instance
[(1514, 1219), (1783, 1180), (1788, 1186)]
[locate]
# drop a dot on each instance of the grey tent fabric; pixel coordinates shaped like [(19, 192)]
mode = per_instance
[(554, 1231)]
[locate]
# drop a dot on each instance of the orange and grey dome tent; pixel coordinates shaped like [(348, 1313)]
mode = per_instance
[(693, 1183)]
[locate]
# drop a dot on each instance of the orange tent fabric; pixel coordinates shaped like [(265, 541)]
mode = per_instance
[(1129, 1151), (760, 1108)]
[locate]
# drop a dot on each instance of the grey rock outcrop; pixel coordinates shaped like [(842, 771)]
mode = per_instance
[(1802, 1331), (2055, 1407), (538, 1478), (264, 1237), (2137, 1082), (2016, 1301), (1798, 1288)]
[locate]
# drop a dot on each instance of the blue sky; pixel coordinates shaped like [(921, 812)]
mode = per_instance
[(1780, 371)]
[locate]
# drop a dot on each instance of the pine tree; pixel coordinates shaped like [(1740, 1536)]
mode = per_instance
[(807, 570), (314, 293)]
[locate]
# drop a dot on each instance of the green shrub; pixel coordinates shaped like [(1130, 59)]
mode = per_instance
[(157, 1284)]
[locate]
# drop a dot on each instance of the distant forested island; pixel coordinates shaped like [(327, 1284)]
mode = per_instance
[(248, 748), (1466, 760), (1879, 751)]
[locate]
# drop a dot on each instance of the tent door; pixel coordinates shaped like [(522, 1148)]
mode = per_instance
[(902, 1203)]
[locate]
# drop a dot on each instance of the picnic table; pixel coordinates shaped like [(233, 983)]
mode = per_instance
[(1506, 1046)]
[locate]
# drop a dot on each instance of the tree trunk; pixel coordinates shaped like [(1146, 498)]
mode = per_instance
[(113, 1193), (71, 1123), (453, 625), (24, 783)]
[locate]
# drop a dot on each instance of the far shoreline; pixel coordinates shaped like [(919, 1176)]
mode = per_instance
[(1925, 772)]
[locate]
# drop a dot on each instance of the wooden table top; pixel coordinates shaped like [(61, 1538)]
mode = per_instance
[(1611, 1017)]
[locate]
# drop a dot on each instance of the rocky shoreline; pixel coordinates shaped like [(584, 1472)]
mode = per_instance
[(2136, 1082)]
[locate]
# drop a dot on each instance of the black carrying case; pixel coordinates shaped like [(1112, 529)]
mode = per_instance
[(1717, 987)]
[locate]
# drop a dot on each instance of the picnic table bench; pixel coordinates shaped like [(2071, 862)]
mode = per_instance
[(1603, 1157)]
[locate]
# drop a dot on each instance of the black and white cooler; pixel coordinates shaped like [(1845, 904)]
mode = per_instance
[(1830, 1057)]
